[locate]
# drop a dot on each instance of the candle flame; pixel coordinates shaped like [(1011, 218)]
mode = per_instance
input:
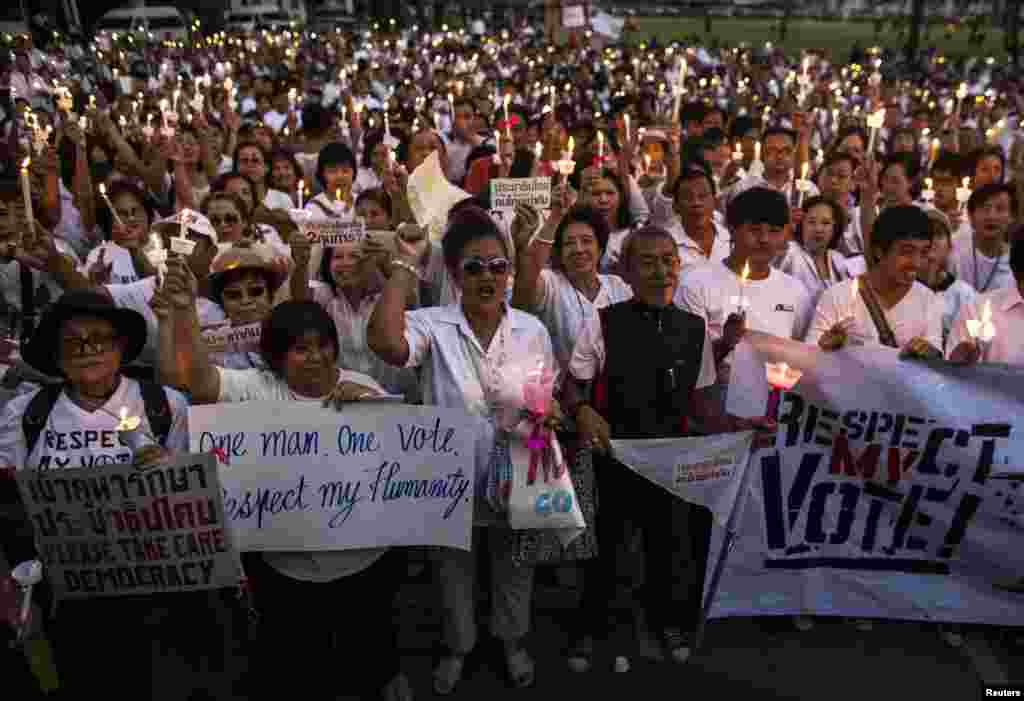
[(600, 137), (572, 144), (928, 183), (124, 414), (26, 163), (746, 272), (966, 183), (103, 189)]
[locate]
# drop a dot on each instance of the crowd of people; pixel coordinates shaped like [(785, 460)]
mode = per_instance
[(845, 204)]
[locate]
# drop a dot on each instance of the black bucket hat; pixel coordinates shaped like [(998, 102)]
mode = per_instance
[(41, 353)]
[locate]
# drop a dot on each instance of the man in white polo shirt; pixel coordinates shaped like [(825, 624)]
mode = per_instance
[(983, 260)]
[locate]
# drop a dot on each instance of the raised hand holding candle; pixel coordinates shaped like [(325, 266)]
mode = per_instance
[(803, 185)]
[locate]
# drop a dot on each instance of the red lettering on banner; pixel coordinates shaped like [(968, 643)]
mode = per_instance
[(866, 465)]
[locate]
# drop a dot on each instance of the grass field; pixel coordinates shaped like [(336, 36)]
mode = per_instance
[(812, 34)]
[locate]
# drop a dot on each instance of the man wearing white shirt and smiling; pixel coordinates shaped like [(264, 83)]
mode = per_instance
[(776, 303), (982, 260)]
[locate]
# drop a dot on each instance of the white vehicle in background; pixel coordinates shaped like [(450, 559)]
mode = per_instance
[(249, 18), (331, 15), (162, 21)]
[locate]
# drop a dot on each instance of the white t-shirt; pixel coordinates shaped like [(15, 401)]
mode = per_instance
[(263, 385), (564, 309), (798, 263), (353, 351), (275, 199), (919, 313), (779, 305), (590, 354), (74, 437), (137, 296), (123, 271), (979, 271)]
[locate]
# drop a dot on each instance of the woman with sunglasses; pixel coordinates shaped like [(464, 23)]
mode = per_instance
[(472, 355), (234, 183), (303, 598)]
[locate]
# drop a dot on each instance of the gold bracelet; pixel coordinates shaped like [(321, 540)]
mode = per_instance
[(408, 267)]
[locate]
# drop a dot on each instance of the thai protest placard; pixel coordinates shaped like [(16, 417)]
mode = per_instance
[(704, 470), (885, 494), (334, 232), (296, 476), (117, 531), (224, 338), (506, 193)]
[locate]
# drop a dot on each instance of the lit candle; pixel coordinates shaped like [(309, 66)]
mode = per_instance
[(538, 151), (936, 145), (129, 431), (875, 122), (963, 193), (625, 122), (299, 192), (600, 146), (508, 125), (497, 147), (982, 330), (803, 185), (757, 151), (961, 93), (928, 194), (741, 300), (26, 191), (103, 194), (737, 155)]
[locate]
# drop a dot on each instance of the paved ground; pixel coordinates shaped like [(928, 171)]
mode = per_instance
[(743, 658)]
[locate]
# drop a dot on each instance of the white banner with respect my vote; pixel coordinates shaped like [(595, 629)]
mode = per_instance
[(296, 476), (886, 494)]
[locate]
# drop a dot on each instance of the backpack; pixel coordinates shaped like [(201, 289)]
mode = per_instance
[(158, 412)]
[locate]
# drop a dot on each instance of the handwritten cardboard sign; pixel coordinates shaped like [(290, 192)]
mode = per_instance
[(224, 338), (300, 477), (506, 193), (331, 232), (117, 531)]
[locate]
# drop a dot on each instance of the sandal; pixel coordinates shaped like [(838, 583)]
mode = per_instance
[(520, 668), (580, 654), (448, 673)]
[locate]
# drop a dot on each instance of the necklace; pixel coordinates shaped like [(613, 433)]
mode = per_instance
[(991, 273)]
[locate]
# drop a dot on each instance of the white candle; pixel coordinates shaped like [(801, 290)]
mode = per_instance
[(757, 150), (508, 125), (982, 329), (625, 123), (680, 86), (299, 189), (26, 191), (103, 194), (600, 145)]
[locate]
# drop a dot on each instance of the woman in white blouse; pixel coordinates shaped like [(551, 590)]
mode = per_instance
[(303, 598), (813, 258), (374, 163), (473, 356), (120, 260), (907, 314)]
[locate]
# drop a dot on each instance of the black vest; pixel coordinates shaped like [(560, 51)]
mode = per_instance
[(652, 362)]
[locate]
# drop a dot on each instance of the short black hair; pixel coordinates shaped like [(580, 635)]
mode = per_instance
[(647, 232), (948, 162), (581, 214), (741, 126), (334, 154), (758, 205), (694, 168), (378, 195), (983, 194), (1017, 257), (900, 223), (838, 219), (907, 161), (779, 131), (467, 223), (288, 322)]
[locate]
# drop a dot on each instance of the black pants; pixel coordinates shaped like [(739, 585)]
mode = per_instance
[(676, 539), (174, 646), (324, 640)]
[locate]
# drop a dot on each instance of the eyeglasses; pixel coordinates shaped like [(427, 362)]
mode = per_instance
[(76, 345), (228, 219), (477, 266), (237, 293)]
